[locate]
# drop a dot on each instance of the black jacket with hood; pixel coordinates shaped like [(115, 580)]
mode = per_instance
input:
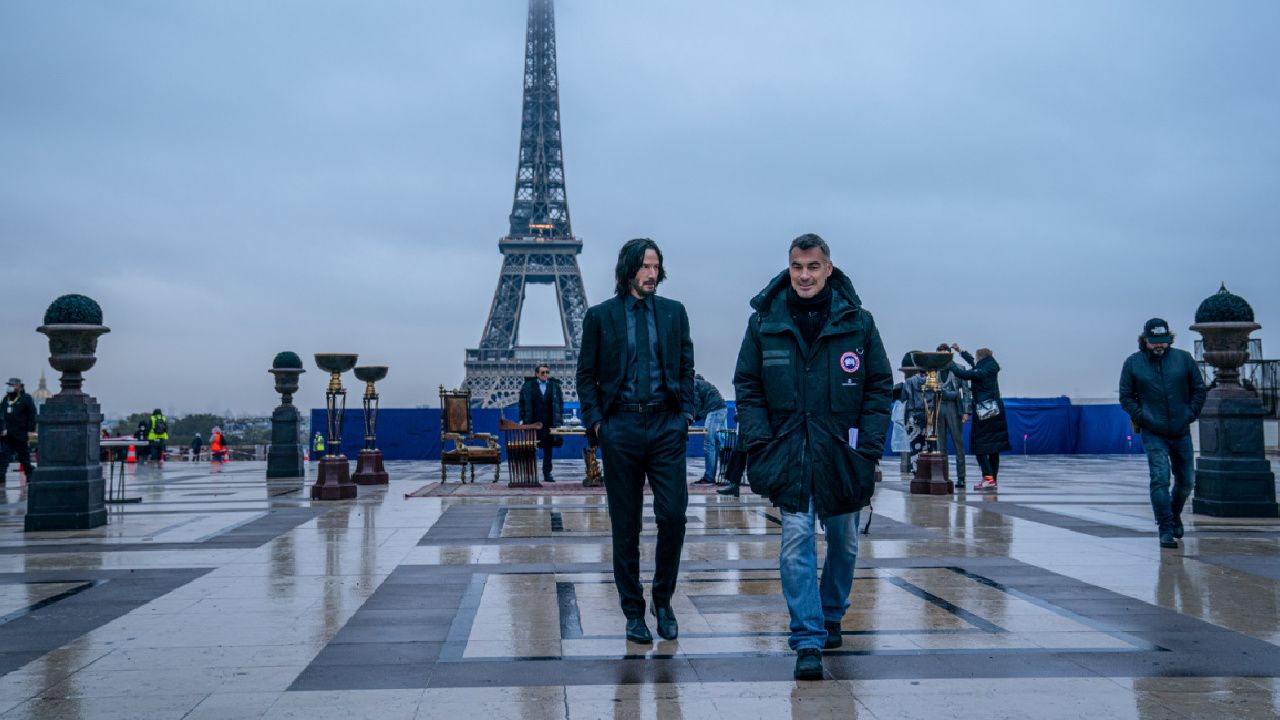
[(1163, 394), (796, 403)]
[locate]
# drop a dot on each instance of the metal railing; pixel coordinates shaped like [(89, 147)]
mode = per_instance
[(1261, 376)]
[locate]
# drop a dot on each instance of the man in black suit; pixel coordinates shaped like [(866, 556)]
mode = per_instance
[(542, 401), (635, 382)]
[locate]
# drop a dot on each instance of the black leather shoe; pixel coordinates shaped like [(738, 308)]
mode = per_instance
[(809, 664), (637, 631), (730, 490), (548, 479), (1177, 528), (834, 638), (1167, 540), (667, 626), (960, 483)]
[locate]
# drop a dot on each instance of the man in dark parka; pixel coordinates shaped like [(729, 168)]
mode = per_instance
[(1162, 391), (813, 388)]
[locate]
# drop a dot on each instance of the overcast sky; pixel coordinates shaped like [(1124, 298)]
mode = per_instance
[(234, 178)]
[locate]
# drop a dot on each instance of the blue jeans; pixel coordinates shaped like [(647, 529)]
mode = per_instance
[(812, 603), (711, 443), (1166, 455)]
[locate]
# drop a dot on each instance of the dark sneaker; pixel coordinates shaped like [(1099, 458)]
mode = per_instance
[(960, 483), (834, 638), (808, 664), (703, 481), (1167, 540), (667, 626), (1177, 528), (637, 631), (730, 490), (548, 479)]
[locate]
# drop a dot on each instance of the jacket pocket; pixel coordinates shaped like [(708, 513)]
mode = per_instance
[(771, 469), (852, 473)]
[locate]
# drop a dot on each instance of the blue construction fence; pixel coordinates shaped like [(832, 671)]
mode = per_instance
[(1037, 426)]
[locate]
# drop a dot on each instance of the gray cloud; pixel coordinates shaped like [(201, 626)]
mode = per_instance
[(233, 179)]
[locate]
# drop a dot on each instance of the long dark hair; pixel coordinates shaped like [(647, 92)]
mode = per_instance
[(630, 259)]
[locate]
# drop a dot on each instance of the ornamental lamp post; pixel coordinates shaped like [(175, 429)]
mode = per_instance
[(369, 468), (931, 468), (333, 479)]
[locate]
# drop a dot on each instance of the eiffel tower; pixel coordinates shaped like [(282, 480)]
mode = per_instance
[(540, 247)]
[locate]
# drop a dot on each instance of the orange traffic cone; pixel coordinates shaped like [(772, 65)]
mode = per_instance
[(132, 457)]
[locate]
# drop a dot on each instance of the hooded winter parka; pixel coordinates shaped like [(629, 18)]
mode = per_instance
[(796, 404), (1162, 394)]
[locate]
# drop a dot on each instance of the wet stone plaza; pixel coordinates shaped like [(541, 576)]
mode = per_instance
[(223, 595)]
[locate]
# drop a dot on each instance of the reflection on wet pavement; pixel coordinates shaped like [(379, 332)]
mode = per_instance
[(222, 595)]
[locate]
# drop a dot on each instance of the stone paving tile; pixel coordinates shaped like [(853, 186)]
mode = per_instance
[(261, 603)]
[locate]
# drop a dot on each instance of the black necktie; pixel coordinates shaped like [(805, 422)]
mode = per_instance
[(642, 351)]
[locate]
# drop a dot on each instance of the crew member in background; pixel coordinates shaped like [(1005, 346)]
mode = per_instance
[(217, 447), (19, 423), (542, 401), (710, 408), (157, 434)]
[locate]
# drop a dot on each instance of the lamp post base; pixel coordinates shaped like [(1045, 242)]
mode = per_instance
[(931, 475), (369, 469), (333, 481)]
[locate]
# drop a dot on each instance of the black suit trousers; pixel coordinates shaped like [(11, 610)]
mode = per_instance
[(634, 447)]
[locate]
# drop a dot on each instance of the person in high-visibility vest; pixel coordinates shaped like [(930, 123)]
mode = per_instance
[(157, 434), (217, 451), (319, 444)]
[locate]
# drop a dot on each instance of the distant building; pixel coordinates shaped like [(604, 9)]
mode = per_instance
[(42, 392)]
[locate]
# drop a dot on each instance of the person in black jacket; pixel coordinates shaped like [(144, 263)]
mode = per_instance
[(813, 388), (542, 401), (19, 422), (635, 383), (990, 434), (1163, 392)]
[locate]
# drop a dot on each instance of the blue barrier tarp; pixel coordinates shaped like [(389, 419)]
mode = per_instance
[(1105, 430), (1037, 426)]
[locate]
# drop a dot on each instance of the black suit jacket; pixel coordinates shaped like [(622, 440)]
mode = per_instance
[(603, 359)]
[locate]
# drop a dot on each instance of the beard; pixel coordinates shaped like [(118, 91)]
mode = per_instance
[(643, 290), (1158, 352)]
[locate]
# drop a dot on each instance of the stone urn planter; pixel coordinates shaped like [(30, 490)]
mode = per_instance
[(73, 324), (284, 455), (1233, 475), (1225, 321), (66, 491)]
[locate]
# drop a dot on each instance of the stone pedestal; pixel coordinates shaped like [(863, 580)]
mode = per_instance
[(66, 491), (1233, 475), (931, 476), (369, 470), (284, 455), (333, 480)]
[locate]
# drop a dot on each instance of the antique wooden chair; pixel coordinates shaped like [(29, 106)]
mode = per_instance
[(455, 425), (522, 453)]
